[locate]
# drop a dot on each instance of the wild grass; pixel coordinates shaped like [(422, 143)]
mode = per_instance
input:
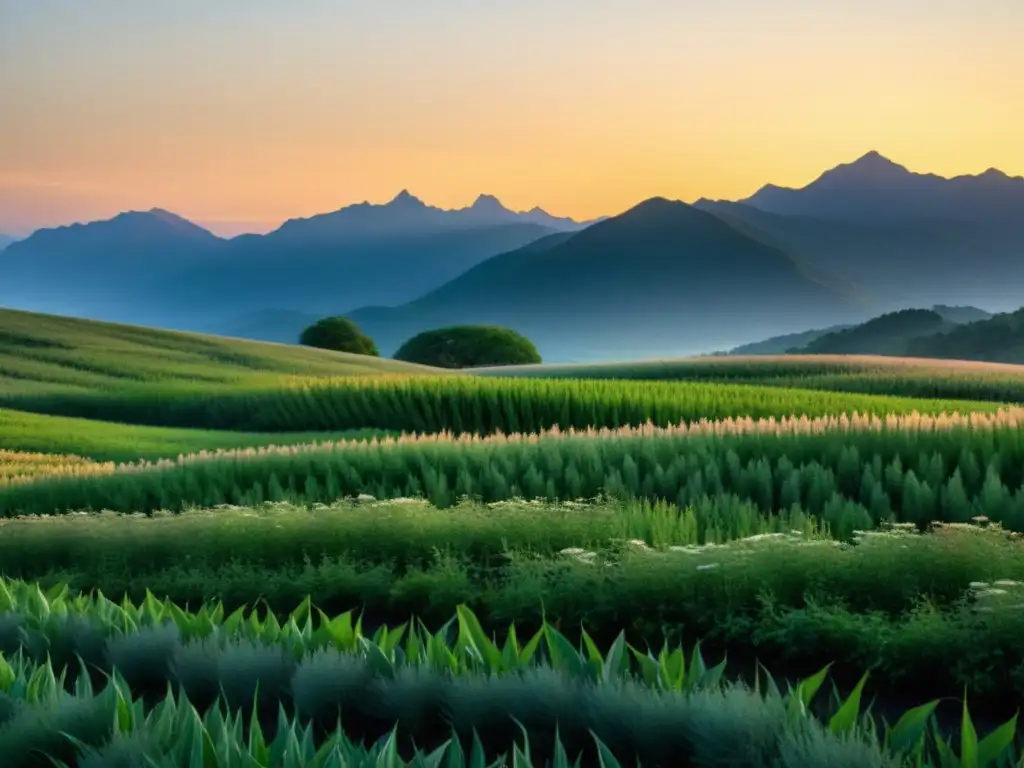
[(107, 442)]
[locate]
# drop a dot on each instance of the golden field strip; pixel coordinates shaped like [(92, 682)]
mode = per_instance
[(20, 467)]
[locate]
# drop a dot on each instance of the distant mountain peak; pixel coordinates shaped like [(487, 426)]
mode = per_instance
[(656, 205), (868, 167), (170, 218), (406, 198), (488, 203), (873, 188), (875, 157), (994, 174)]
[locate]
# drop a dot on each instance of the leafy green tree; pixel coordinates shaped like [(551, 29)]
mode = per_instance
[(339, 334), (468, 346)]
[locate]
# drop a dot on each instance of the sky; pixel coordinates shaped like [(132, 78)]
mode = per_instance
[(239, 114)]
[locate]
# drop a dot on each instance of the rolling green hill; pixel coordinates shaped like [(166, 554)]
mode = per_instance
[(110, 441), (46, 353)]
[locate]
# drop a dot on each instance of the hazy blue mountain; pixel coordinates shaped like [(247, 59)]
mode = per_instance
[(930, 333), (6, 240), (664, 278), (407, 213), (888, 334), (874, 189), (778, 345), (962, 315), (108, 269), (889, 265), (998, 339), (157, 268)]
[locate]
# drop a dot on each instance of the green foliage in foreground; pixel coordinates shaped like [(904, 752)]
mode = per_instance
[(467, 346), (107, 441), (854, 374), (460, 403), (910, 607), (304, 680), (405, 533)]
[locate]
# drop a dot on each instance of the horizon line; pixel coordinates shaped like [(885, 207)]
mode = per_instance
[(268, 226)]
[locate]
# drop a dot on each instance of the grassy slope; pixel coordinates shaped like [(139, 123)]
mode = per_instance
[(107, 441), (46, 353)]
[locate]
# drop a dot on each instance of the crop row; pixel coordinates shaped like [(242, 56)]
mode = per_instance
[(850, 478), (313, 674), (19, 466), (789, 599), (463, 404), (867, 375), (27, 433)]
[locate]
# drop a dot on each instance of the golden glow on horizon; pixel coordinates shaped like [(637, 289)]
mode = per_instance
[(262, 114)]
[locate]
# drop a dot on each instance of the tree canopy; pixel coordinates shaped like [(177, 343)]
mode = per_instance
[(339, 334), (468, 346)]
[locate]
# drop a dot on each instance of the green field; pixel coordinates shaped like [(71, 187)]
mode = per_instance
[(431, 404), (621, 551), (863, 374)]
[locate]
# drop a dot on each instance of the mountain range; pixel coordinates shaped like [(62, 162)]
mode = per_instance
[(633, 285), (156, 268), (875, 189), (895, 238), (958, 333), (877, 336), (664, 278), (6, 240)]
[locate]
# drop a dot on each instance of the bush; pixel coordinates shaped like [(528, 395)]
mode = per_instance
[(468, 346), (339, 334)]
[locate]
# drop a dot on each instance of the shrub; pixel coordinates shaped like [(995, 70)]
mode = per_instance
[(339, 334), (468, 346)]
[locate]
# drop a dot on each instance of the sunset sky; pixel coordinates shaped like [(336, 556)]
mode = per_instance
[(242, 113)]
